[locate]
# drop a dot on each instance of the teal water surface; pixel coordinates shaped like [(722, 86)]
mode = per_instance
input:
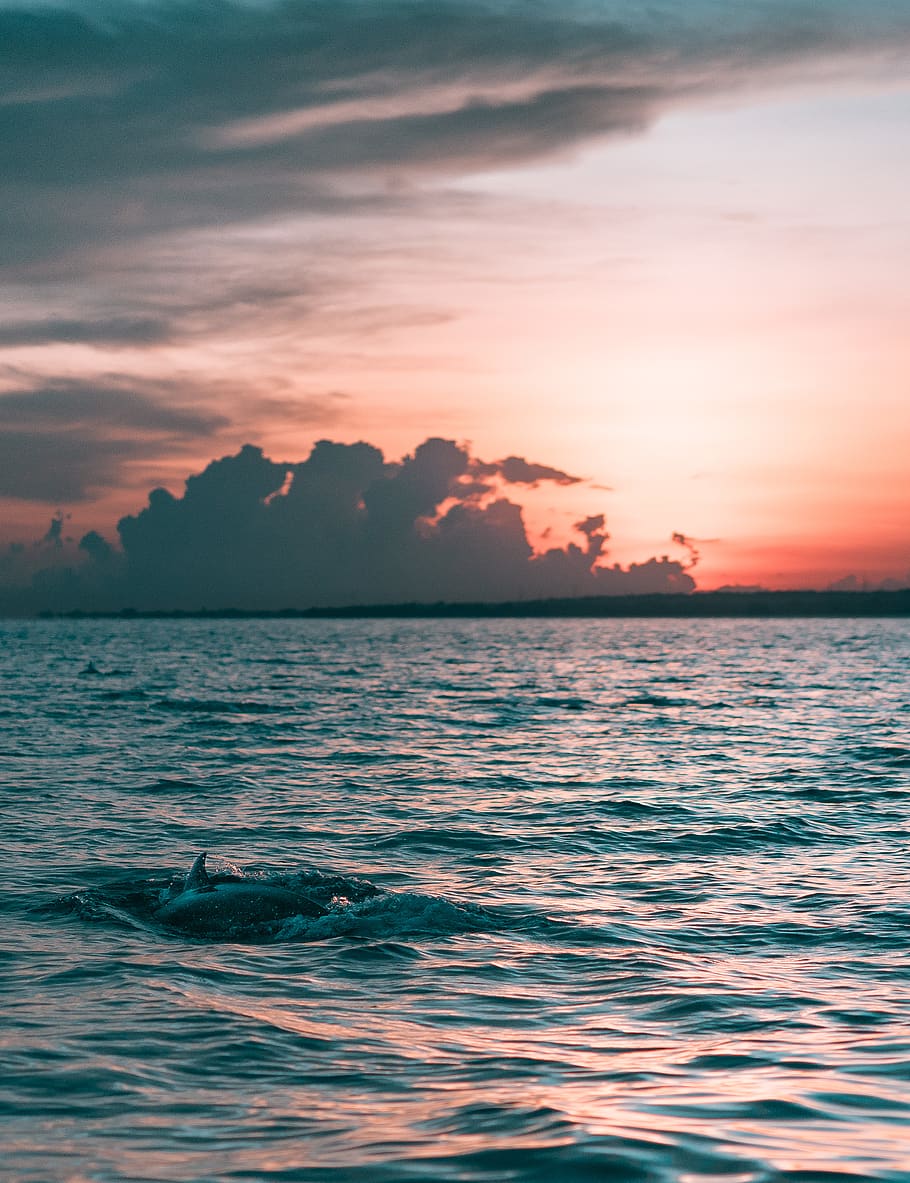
[(605, 900)]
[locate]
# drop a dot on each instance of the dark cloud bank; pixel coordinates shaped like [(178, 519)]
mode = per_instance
[(65, 442), (343, 527), (121, 121)]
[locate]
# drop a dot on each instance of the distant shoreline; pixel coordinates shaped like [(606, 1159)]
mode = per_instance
[(770, 604)]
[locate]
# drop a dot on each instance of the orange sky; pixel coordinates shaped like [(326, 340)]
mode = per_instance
[(704, 317)]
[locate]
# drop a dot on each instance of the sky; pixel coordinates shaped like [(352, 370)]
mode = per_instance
[(613, 292)]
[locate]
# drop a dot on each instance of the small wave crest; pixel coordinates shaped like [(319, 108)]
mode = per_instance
[(218, 706), (389, 916)]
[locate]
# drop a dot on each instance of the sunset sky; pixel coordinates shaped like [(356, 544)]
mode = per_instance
[(660, 247)]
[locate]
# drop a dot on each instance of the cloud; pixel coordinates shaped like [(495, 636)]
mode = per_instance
[(96, 547), (217, 170), (856, 583), (592, 525), (518, 471), (56, 467), (77, 404), (118, 123), (121, 330), (342, 527), (688, 544), (54, 535), (326, 407), (65, 442), (691, 545)]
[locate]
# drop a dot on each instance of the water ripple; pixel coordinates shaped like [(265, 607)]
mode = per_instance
[(604, 900)]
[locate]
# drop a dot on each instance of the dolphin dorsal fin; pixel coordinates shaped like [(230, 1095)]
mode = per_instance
[(197, 876)]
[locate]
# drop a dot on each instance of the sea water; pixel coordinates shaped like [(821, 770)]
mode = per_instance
[(613, 899)]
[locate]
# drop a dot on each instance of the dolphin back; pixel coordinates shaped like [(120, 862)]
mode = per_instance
[(197, 877), (208, 907)]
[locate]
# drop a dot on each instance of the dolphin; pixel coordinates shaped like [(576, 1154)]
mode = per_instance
[(218, 907)]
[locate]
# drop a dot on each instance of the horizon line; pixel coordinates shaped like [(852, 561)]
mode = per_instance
[(721, 603)]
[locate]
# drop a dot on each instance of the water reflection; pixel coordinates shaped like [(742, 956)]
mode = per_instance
[(686, 850)]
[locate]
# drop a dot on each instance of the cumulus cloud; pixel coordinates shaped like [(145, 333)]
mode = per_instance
[(97, 547), (342, 527)]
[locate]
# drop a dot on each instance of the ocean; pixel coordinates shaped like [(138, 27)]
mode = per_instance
[(603, 900)]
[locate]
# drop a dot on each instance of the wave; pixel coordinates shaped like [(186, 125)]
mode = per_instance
[(748, 835), (220, 706), (90, 670)]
